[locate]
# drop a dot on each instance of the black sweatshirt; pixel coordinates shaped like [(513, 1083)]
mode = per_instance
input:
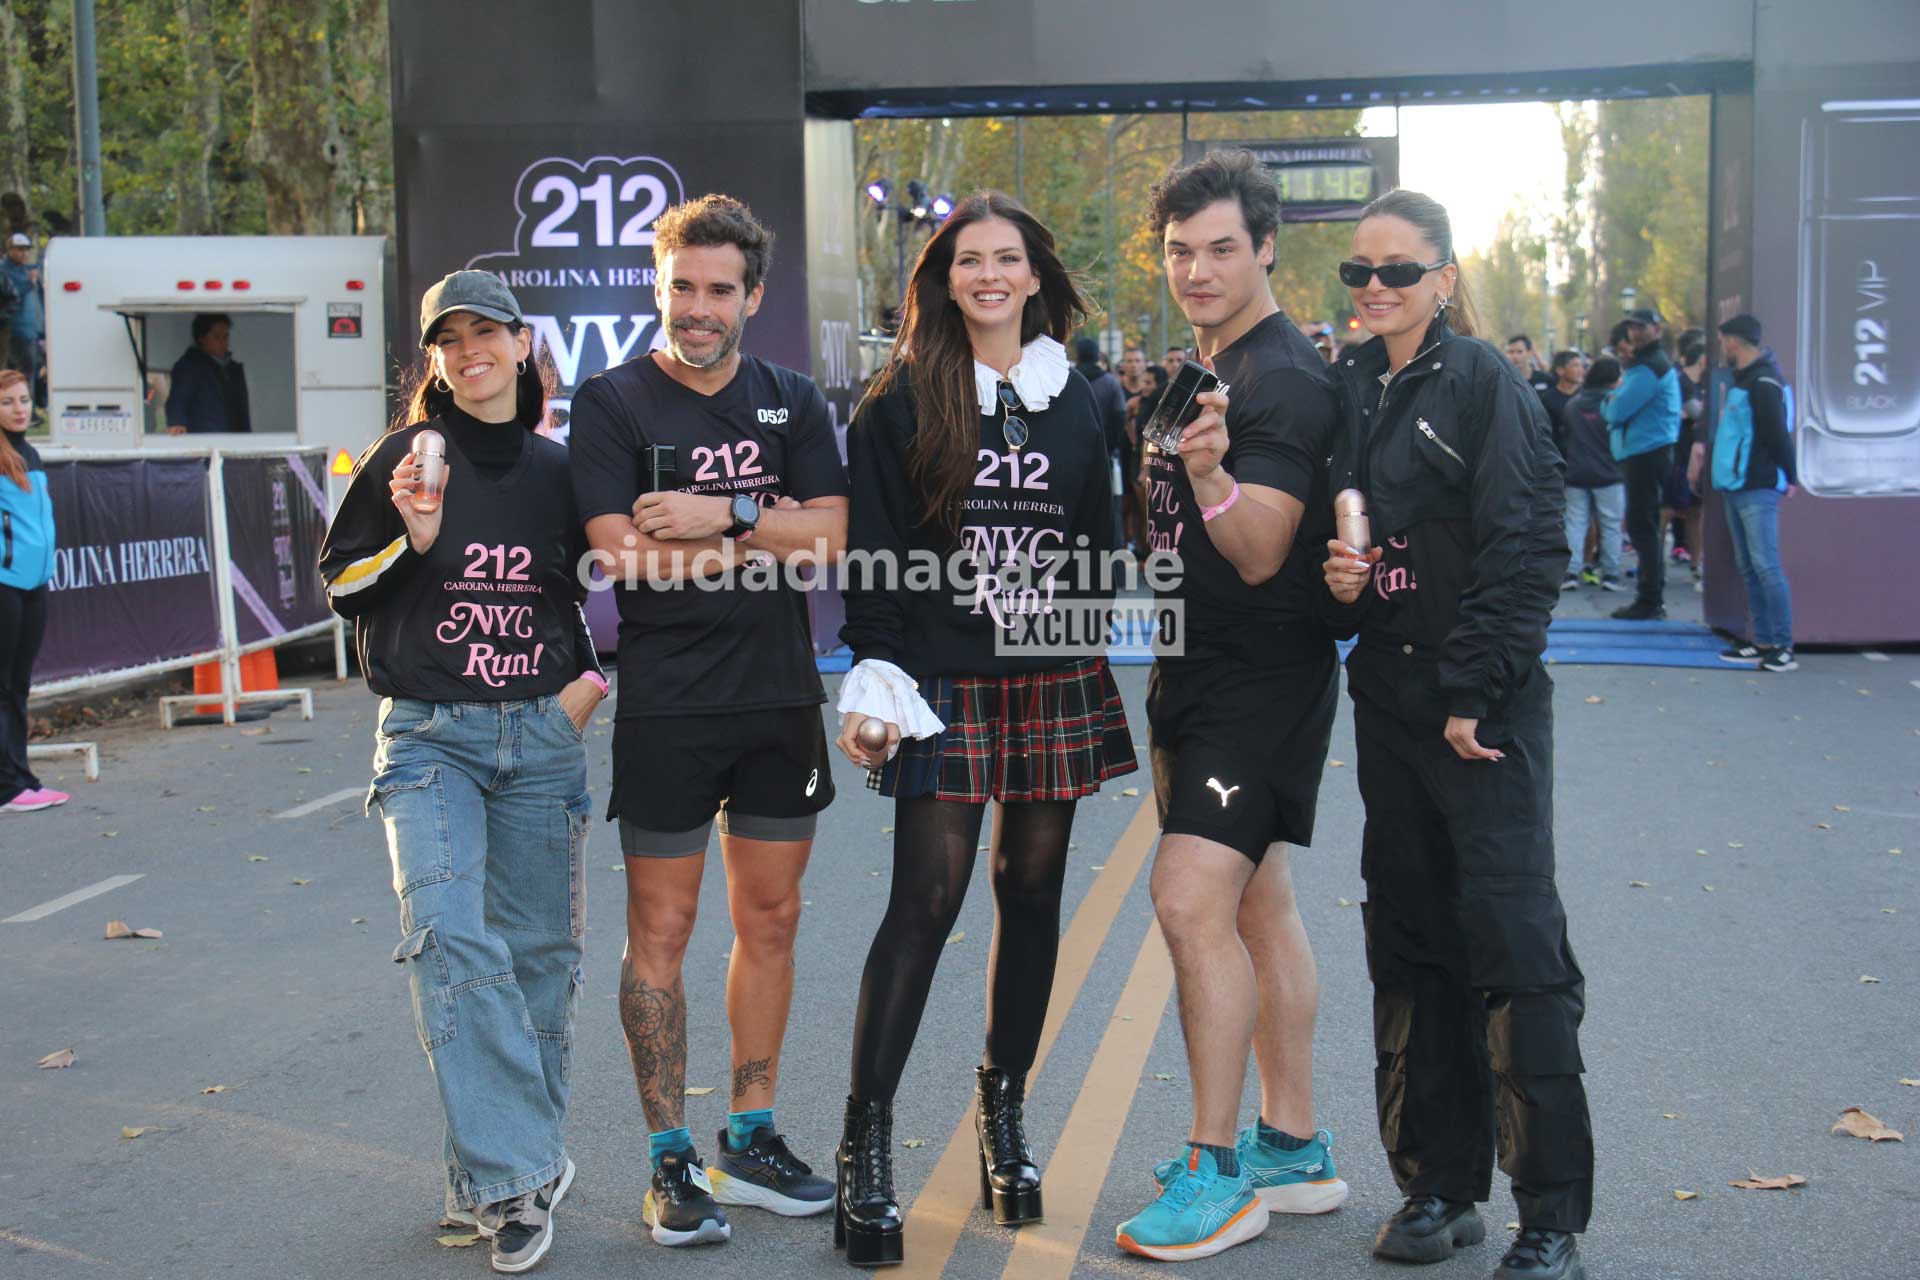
[(1053, 495), (491, 613)]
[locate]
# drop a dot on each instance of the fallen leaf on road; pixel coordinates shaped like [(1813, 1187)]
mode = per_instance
[(217, 1088), (1706, 888), (131, 1133), (1595, 698), (1754, 1182), (1702, 852), (303, 770), (1336, 764), (1856, 1123), (699, 1090), (1841, 808), (148, 933), (1513, 1226), (1735, 844), (111, 835), (1101, 866), (1342, 902), (203, 808), (960, 936), (458, 1242), (1130, 791), (914, 1144), (1669, 1115), (64, 1058), (886, 831), (1163, 1075), (1686, 1195), (358, 920), (254, 733), (300, 881), (258, 857), (1889, 911), (1638, 884), (118, 929), (1823, 826), (1911, 1084), (1868, 978)]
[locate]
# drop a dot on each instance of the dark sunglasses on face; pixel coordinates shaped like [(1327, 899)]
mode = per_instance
[(1013, 429), (1394, 275)]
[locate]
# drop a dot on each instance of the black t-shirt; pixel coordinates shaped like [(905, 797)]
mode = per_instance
[(491, 613), (1280, 424), (700, 649), (1553, 400)]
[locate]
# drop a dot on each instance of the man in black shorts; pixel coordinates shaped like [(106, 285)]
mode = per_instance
[(1240, 722), (701, 472)]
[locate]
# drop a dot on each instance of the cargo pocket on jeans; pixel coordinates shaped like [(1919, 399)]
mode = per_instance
[(433, 1015), (413, 805), (579, 811)]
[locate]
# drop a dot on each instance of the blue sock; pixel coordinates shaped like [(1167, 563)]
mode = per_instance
[(668, 1141), (741, 1124), (1281, 1138)]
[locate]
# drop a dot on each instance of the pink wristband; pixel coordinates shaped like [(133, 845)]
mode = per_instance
[(597, 680), (1208, 513)]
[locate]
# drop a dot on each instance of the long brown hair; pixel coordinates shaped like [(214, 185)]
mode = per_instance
[(12, 465), (421, 399), (1429, 217), (935, 356)]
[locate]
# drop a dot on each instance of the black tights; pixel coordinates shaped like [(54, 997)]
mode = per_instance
[(934, 844)]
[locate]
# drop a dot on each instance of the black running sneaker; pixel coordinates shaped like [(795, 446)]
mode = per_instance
[(1541, 1255), (768, 1176), (680, 1206), (520, 1231), (1778, 660), (1746, 655)]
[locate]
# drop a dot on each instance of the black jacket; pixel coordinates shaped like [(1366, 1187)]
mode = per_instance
[(1465, 493), (1580, 434), (1110, 402)]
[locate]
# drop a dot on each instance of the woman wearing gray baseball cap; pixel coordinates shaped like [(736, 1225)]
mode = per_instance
[(455, 552)]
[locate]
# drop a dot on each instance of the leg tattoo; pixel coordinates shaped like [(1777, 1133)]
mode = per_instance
[(655, 1021), (750, 1073)]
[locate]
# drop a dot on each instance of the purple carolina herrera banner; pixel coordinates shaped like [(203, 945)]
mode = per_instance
[(276, 520), (132, 568)]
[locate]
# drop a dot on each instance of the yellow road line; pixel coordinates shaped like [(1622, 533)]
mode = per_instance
[(939, 1214), (1080, 1160)]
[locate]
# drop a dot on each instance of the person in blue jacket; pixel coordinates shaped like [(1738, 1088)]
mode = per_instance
[(26, 564), (1752, 468), (1643, 417)]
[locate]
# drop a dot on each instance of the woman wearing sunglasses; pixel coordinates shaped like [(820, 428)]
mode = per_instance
[(978, 446), (1477, 997)]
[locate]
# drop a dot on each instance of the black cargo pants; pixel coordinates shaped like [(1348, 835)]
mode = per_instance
[(1477, 997)]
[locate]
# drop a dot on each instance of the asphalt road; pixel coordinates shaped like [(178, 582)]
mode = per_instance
[(1774, 821)]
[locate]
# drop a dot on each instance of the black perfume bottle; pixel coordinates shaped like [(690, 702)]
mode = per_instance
[(1859, 299)]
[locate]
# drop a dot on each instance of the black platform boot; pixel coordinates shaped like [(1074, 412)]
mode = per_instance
[(1009, 1179), (866, 1217)]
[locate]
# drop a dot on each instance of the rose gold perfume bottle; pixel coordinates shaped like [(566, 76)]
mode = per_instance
[(430, 460), (1350, 519)]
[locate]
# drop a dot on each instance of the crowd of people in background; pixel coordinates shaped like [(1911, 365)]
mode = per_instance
[(23, 312)]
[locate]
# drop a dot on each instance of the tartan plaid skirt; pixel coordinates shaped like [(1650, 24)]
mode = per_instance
[(1042, 735)]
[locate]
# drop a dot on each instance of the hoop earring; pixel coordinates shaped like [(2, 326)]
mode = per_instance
[(523, 367), (441, 384), (1444, 304)]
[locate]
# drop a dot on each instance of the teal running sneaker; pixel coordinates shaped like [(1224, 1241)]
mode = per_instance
[(1302, 1181), (1197, 1214)]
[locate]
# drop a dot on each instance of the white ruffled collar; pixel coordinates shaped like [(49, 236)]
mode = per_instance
[(1036, 377)]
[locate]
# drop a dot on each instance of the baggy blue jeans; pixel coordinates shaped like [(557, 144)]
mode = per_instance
[(1753, 518), (486, 811)]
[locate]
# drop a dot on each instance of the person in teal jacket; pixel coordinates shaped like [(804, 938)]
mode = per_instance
[(1643, 418), (26, 565)]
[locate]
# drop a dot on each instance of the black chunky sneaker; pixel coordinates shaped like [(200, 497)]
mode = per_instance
[(866, 1214), (520, 1231), (680, 1206), (768, 1176), (1429, 1229), (1541, 1255), (1009, 1179)]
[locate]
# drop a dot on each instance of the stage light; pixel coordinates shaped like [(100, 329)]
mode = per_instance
[(878, 191), (918, 202), (942, 206)]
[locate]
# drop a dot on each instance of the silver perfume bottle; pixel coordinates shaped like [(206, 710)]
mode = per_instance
[(1859, 364)]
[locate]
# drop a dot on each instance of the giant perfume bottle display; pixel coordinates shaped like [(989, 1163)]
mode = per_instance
[(1859, 300)]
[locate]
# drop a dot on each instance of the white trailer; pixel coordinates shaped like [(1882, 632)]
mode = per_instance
[(308, 326)]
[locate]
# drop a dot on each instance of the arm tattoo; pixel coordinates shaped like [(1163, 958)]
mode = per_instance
[(655, 1022), (750, 1073)]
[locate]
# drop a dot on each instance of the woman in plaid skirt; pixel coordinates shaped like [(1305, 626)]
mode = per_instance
[(979, 449)]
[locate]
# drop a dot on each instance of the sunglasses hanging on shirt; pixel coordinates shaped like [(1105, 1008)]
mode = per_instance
[(1394, 275), (1013, 429)]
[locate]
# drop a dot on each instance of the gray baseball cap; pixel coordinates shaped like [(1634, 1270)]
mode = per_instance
[(480, 292)]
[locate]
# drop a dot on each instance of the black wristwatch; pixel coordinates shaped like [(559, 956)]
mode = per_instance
[(746, 516)]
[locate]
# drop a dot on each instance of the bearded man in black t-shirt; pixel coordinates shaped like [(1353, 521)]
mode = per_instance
[(1240, 721), (702, 474)]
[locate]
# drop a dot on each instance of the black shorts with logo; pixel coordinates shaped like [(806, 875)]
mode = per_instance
[(765, 775), (1238, 749)]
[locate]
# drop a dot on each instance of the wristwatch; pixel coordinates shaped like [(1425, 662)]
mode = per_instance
[(746, 516)]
